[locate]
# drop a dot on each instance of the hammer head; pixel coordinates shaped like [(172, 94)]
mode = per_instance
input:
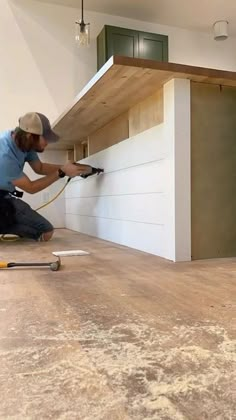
[(54, 266)]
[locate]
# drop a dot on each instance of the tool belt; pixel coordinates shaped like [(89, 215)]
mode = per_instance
[(15, 193), (7, 209)]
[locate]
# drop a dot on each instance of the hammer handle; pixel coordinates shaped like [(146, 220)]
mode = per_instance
[(12, 264), (3, 264)]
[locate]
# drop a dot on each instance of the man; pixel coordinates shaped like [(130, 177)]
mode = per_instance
[(17, 147)]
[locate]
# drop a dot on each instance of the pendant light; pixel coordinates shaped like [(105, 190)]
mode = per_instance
[(82, 35)]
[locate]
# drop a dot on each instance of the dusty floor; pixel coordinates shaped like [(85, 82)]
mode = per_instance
[(117, 334)]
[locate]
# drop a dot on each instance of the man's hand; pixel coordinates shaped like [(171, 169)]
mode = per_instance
[(94, 171), (72, 169)]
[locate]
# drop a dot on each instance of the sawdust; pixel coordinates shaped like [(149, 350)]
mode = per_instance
[(133, 370), (155, 369), (72, 382), (163, 406)]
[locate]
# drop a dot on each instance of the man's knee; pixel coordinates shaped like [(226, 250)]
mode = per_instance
[(46, 236)]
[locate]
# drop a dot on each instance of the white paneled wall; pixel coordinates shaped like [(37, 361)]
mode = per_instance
[(128, 200), (135, 202)]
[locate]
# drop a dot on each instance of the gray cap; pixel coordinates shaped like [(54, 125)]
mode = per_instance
[(36, 123)]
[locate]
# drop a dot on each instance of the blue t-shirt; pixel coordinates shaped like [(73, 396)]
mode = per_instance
[(12, 161)]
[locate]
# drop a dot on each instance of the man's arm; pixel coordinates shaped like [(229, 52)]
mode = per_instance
[(32, 187), (42, 168)]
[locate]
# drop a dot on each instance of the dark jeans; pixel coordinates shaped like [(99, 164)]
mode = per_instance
[(28, 223)]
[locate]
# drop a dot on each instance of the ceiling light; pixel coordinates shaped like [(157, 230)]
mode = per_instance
[(82, 35)]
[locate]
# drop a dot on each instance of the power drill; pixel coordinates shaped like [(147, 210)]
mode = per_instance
[(94, 171)]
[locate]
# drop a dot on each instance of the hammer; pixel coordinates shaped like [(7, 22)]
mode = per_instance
[(54, 266)]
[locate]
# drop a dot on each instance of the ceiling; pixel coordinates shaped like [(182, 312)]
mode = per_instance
[(188, 14)]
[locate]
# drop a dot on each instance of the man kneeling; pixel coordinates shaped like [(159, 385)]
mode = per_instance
[(21, 145)]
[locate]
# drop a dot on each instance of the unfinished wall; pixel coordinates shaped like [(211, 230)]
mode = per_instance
[(112, 133), (144, 115), (213, 111)]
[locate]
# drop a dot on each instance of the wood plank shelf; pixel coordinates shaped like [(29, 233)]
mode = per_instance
[(118, 86)]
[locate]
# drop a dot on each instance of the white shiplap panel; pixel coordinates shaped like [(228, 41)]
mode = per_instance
[(144, 237), (143, 148), (127, 204), (148, 208), (147, 178)]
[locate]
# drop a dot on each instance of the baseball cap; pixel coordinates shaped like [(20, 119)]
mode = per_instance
[(36, 123)]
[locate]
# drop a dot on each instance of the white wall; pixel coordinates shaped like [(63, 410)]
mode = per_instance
[(141, 201)]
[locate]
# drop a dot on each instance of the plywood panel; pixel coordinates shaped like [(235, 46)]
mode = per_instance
[(146, 114), (213, 171), (121, 84), (78, 152), (112, 133)]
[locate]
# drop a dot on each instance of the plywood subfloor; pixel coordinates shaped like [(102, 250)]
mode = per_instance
[(116, 335)]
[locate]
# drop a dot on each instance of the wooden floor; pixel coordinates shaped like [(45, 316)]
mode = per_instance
[(116, 335)]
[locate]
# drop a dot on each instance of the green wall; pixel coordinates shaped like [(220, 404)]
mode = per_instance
[(213, 155)]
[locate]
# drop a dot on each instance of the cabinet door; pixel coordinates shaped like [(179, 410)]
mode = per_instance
[(101, 48), (153, 46), (121, 41), (113, 40)]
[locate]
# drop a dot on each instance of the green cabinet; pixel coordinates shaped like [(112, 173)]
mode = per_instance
[(113, 40), (153, 46)]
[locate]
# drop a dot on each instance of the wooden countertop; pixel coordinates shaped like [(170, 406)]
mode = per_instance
[(120, 84)]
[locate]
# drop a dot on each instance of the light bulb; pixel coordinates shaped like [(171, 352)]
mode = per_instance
[(82, 36)]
